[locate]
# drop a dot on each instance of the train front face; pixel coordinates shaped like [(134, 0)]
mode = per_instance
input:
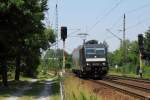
[(96, 61)]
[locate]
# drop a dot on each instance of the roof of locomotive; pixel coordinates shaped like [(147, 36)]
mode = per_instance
[(94, 44), (91, 42)]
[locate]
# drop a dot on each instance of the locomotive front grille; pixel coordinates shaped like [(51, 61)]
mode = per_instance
[(95, 64)]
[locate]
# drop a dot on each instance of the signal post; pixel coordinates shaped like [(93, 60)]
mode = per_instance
[(141, 53), (63, 37)]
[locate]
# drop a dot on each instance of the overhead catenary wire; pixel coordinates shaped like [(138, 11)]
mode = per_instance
[(114, 34), (116, 22), (108, 37), (137, 24), (138, 8), (130, 12), (105, 15)]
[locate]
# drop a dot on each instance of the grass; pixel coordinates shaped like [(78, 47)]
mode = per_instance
[(146, 72), (75, 89), (45, 75), (124, 71)]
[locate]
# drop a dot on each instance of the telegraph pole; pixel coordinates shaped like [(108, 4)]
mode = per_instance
[(56, 33), (124, 37), (57, 63), (56, 26)]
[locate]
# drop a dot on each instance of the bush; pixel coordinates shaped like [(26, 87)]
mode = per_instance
[(146, 71), (126, 69)]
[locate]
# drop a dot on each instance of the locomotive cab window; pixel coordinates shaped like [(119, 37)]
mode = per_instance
[(100, 53), (95, 52), (90, 51)]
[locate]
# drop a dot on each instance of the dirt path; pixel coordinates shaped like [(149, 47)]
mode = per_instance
[(17, 94), (45, 94)]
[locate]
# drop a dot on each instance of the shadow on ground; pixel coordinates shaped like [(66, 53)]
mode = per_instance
[(30, 89)]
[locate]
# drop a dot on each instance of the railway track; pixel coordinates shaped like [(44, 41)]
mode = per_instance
[(128, 78), (140, 84), (131, 86)]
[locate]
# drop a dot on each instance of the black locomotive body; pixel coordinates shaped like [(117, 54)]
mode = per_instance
[(90, 60)]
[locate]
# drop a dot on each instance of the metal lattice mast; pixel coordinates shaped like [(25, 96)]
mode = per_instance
[(56, 26), (56, 34), (124, 37)]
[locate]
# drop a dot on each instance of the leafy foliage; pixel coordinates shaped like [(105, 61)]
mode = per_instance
[(53, 60), (147, 44), (22, 35), (132, 61), (117, 56)]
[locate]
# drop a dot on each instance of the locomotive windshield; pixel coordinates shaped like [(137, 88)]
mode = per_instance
[(95, 52)]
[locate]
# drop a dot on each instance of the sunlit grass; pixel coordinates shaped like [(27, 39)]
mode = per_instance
[(131, 73), (75, 89)]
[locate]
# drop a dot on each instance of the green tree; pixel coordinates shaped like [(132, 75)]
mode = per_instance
[(37, 42), (147, 44), (117, 57), (133, 53), (21, 32)]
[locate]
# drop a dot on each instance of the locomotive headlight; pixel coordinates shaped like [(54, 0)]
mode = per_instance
[(87, 64), (104, 64)]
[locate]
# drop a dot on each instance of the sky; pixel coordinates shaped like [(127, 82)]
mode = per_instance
[(95, 16)]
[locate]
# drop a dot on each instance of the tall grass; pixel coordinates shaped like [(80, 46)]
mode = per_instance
[(76, 89), (130, 70)]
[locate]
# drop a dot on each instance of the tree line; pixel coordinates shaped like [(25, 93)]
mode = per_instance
[(22, 36), (132, 52), (53, 60)]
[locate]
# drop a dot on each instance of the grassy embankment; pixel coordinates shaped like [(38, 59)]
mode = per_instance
[(130, 71), (76, 89)]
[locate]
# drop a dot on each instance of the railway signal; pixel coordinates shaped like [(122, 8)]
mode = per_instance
[(141, 52), (63, 33), (141, 46), (63, 37), (141, 43)]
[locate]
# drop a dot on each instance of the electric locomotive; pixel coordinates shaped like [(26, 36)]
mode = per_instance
[(90, 60)]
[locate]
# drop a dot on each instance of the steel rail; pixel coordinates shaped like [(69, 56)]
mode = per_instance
[(128, 78), (125, 89)]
